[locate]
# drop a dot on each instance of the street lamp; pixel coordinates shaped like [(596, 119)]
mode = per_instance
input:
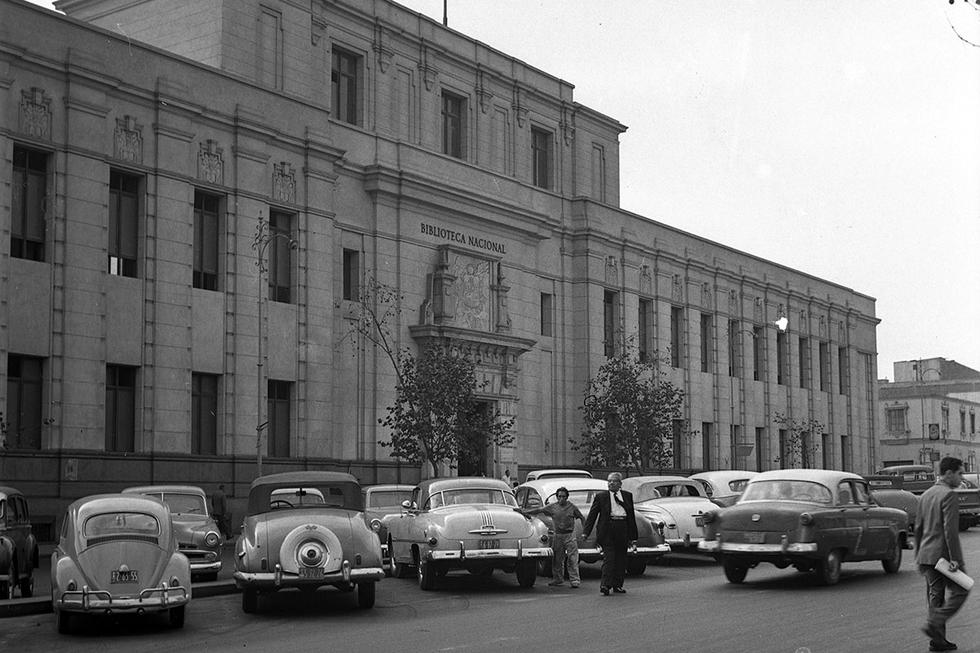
[(261, 240)]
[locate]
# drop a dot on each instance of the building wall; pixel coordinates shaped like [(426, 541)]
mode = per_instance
[(384, 189)]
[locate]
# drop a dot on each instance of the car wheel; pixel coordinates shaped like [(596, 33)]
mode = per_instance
[(893, 563), (636, 567), (527, 573), (64, 622), (250, 601), (365, 595), (427, 574), (177, 616), (27, 585), (734, 572), (828, 569)]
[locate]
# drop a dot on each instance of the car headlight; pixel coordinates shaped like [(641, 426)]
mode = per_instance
[(432, 541), (211, 539)]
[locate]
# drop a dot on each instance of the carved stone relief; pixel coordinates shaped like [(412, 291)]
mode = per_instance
[(612, 271), (471, 292), (35, 114), (677, 289), (128, 140), (210, 162), (283, 183), (646, 280)]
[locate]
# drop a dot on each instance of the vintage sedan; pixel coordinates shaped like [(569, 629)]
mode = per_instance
[(677, 502), (18, 545), (198, 536), (540, 474), (117, 554), (466, 523), (382, 503), (811, 519), (650, 544), (888, 491), (306, 530), (724, 486)]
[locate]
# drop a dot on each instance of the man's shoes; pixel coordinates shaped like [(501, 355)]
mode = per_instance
[(942, 645), (574, 586), (935, 634), (619, 590), (604, 590), (556, 583)]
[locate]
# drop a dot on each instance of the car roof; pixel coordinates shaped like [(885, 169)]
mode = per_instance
[(640, 480), (431, 485), (175, 489), (555, 472), (6, 490), (391, 487), (548, 486), (829, 477), (724, 475), (906, 468), (97, 503), (304, 478)]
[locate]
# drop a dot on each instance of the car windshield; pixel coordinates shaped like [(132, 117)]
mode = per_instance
[(807, 491), (388, 498), (121, 523), (296, 497), (464, 496), (193, 504)]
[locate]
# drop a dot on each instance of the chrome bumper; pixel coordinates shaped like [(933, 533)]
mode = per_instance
[(462, 553), (638, 552), (279, 578), (149, 600), (714, 546)]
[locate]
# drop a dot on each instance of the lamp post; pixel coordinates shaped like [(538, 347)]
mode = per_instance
[(261, 240)]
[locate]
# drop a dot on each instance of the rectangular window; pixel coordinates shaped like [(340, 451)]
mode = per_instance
[(826, 462), (962, 422), (547, 315), (120, 408), (677, 433), (206, 214), (23, 413), (705, 343), (644, 331), (706, 445), (782, 359), (973, 423), (541, 158), (734, 348), (278, 425), (784, 453), (352, 274), (204, 414), (758, 344), (344, 78), (280, 256), (28, 201), (824, 362), (124, 211), (609, 323), (843, 371), (269, 50), (598, 173), (944, 418), (676, 335), (804, 362), (760, 441), (895, 420), (453, 134), (845, 453)]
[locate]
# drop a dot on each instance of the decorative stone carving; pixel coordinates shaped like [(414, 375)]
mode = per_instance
[(283, 183), (472, 292), (519, 110), (733, 302), (428, 71), (318, 22), (823, 326), (210, 162), (382, 53), (646, 280), (483, 94), (128, 140), (35, 114), (706, 299), (676, 289), (612, 271), (501, 289), (443, 304), (758, 310)]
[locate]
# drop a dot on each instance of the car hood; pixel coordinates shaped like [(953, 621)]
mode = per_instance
[(482, 520), (97, 563)]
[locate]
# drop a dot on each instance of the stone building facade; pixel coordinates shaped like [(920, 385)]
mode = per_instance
[(154, 152)]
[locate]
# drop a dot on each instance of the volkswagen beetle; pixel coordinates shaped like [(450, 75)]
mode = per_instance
[(198, 536), (117, 554), (18, 545), (466, 523), (306, 530)]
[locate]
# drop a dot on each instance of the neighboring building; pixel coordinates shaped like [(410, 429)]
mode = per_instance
[(929, 411), (386, 146)]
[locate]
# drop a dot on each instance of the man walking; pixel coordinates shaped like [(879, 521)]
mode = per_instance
[(219, 510), (615, 522), (563, 514), (937, 536)]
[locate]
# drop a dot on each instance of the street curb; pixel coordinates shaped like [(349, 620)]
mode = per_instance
[(35, 605)]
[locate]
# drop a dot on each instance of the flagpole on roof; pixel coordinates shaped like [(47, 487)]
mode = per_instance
[(445, 14)]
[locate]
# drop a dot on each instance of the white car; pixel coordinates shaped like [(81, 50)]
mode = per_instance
[(724, 486), (677, 502), (539, 474)]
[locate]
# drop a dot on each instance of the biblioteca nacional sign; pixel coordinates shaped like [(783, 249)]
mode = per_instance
[(463, 238)]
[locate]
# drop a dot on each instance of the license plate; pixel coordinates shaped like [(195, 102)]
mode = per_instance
[(131, 576), (489, 544), (698, 520), (311, 572), (755, 537)]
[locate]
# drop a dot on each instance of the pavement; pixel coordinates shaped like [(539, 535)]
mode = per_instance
[(40, 603)]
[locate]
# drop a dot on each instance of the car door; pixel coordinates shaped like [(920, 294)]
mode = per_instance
[(851, 519), (402, 528), (878, 524)]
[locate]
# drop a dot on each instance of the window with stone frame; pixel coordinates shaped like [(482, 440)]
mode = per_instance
[(120, 408), (124, 223), (345, 85), (28, 194), (23, 415), (207, 216)]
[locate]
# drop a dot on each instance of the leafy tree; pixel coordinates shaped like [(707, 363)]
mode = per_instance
[(800, 445), (629, 412)]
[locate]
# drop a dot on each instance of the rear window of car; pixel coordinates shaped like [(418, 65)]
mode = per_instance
[(738, 485), (806, 491), (296, 497), (465, 496), (121, 523), (388, 498)]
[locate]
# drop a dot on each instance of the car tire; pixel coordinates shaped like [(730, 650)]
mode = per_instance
[(734, 572), (27, 585), (636, 567), (828, 569), (64, 622), (527, 573), (250, 601), (427, 573), (893, 562), (366, 592), (177, 616)]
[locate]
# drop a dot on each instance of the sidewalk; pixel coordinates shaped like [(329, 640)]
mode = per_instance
[(40, 603)]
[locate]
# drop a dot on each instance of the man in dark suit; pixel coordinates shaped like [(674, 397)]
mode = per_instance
[(937, 536), (615, 523)]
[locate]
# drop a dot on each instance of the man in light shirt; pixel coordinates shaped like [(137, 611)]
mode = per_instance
[(615, 523)]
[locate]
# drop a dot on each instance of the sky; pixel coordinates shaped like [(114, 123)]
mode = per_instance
[(835, 137)]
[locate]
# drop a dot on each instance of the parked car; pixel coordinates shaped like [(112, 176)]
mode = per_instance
[(887, 491), (921, 478), (724, 486), (306, 530), (18, 545), (969, 504), (117, 554), (539, 474), (650, 544), (382, 503), (915, 478), (466, 523), (198, 536), (677, 502), (812, 519)]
